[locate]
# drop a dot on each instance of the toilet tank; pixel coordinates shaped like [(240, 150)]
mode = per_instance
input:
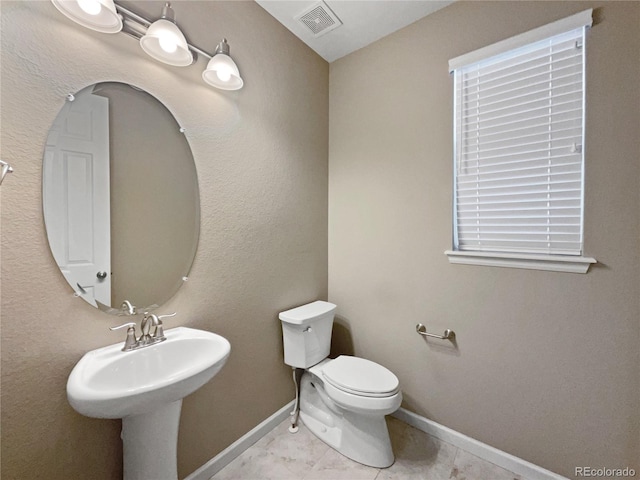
[(306, 333)]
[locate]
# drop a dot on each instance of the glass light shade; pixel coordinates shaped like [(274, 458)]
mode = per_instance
[(98, 15), (222, 72), (165, 42)]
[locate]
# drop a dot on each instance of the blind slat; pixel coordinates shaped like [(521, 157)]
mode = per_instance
[(525, 135), (516, 226), (517, 210), (518, 188), (560, 102), (529, 154), (515, 131), (481, 105), (564, 140), (526, 122), (511, 161), (550, 70)]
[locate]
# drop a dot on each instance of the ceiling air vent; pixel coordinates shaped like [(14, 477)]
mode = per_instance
[(319, 19)]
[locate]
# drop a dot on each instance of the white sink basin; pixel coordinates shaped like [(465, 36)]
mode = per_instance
[(110, 383)]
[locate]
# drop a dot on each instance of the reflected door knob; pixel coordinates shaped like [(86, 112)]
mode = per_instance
[(101, 275)]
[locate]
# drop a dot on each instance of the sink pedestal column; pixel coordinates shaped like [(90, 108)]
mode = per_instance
[(149, 444)]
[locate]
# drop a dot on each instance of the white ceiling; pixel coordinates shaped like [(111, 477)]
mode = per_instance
[(363, 21)]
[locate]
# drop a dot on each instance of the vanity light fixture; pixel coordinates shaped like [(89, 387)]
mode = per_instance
[(222, 72), (165, 42), (98, 15), (162, 39)]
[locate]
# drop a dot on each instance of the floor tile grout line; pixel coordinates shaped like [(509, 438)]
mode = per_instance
[(453, 463), (317, 462)]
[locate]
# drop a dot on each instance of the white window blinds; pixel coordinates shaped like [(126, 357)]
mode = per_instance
[(519, 128)]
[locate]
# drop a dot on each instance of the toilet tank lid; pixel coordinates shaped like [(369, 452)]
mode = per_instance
[(307, 313)]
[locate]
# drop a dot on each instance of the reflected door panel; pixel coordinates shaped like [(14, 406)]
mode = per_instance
[(76, 191)]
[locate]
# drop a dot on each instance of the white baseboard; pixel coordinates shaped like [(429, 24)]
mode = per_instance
[(490, 454), (234, 450)]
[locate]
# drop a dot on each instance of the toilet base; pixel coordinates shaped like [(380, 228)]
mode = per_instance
[(360, 437), (369, 446)]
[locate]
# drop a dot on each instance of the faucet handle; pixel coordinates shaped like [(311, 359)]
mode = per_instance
[(160, 317), (130, 342), (128, 324)]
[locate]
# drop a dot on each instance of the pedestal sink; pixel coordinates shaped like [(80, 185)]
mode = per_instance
[(145, 388)]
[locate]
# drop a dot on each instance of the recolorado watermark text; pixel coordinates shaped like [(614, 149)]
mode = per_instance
[(605, 472)]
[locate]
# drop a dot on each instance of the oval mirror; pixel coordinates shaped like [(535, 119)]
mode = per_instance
[(120, 197)]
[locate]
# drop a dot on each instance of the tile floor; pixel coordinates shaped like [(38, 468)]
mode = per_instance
[(280, 455)]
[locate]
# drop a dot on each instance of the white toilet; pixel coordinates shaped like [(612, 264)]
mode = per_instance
[(342, 401)]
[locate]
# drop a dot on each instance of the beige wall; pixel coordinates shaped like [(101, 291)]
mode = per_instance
[(547, 364), (259, 252)]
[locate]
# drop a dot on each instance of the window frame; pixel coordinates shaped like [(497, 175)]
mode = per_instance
[(527, 260)]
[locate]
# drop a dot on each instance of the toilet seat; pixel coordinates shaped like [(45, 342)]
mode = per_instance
[(361, 377)]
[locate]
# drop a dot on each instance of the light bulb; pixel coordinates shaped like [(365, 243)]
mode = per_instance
[(90, 7), (168, 43), (224, 74)]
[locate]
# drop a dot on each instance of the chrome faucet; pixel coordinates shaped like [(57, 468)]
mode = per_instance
[(151, 320), (127, 308), (148, 320)]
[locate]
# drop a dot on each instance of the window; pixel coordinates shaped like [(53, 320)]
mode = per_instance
[(519, 150)]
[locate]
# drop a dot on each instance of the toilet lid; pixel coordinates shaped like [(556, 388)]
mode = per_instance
[(360, 377)]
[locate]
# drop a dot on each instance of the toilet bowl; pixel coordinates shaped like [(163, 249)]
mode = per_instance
[(343, 401)]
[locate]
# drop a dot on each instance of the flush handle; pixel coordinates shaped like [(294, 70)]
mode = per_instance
[(307, 330)]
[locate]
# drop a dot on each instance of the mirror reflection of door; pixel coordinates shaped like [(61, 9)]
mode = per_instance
[(76, 195)]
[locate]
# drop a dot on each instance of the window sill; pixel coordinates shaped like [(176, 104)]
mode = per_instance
[(554, 263)]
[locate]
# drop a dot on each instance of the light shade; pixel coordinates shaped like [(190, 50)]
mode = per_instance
[(98, 15), (166, 43), (222, 72)]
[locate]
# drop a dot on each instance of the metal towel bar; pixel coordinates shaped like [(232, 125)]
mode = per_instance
[(448, 334)]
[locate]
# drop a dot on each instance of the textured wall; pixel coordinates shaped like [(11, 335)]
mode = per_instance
[(262, 166), (547, 364)]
